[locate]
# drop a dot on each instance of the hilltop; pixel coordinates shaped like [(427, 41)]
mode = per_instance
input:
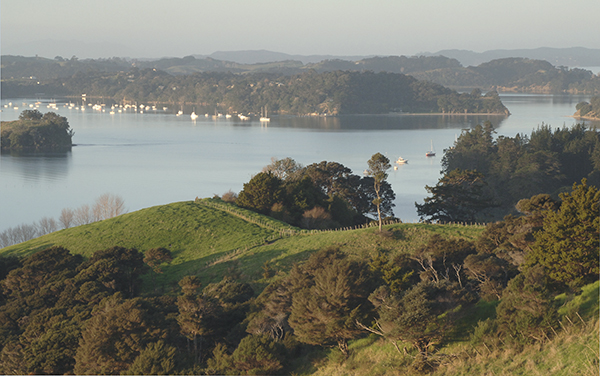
[(208, 236)]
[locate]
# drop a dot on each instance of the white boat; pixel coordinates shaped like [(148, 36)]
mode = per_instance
[(402, 160), (194, 116), (430, 152), (264, 118)]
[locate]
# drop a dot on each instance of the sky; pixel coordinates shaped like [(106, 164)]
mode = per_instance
[(177, 28)]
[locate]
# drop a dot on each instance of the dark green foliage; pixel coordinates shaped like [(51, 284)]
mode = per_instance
[(398, 274), (521, 167), (257, 355), (568, 245), (234, 300), (8, 263), (330, 299), (421, 315), (117, 333), (261, 193), (157, 358), (40, 280), (198, 314), (526, 309), (116, 268), (472, 151), (459, 196), (34, 131), (321, 195)]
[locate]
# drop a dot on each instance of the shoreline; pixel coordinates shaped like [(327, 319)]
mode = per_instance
[(585, 118)]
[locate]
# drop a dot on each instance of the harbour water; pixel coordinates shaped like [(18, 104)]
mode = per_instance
[(155, 157)]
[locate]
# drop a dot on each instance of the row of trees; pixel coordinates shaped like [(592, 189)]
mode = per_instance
[(60, 313), (36, 131), (484, 177), (106, 206), (320, 195)]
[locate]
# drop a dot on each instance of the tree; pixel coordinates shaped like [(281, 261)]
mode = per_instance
[(157, 358), (459, 196), (568, 245), (526, 309), (284, 169), (420, 315), (261, 193), (330, 300), (257, 355), (108, 206), (116, 335), (196, 313), (31, 115), (473, 150), (378, 166), (116, 268)]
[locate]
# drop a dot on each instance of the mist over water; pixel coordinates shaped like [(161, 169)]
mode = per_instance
[(157, 158)]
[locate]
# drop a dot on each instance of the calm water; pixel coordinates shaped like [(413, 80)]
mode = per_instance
[(156, 158)]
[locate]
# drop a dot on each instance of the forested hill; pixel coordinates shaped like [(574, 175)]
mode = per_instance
[(510, 74), (328, 93)]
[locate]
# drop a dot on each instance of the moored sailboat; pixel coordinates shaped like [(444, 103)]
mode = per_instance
[(431, 151)]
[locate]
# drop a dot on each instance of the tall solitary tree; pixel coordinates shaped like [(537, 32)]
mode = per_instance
[(378, 166)]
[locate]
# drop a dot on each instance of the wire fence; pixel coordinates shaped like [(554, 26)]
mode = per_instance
[(285, 230)]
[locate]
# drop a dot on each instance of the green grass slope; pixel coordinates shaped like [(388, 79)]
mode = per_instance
[(208, 238)]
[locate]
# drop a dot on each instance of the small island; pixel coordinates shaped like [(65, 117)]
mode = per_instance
[(589, 111), (35, 131)]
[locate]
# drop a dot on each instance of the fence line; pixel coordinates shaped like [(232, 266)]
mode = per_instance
[(287, 232)]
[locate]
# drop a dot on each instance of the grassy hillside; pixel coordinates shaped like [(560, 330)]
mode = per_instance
[(209, 240)]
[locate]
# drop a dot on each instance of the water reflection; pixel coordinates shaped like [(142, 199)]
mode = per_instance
[(35, 166), (386, 122)]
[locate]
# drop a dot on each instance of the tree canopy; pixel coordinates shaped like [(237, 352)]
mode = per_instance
[(36, 132)]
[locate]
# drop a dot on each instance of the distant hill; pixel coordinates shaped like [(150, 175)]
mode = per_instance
[(570, 57), (520, 74), (264, 56)]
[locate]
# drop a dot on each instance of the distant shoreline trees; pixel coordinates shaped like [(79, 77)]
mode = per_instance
[(308, 93)]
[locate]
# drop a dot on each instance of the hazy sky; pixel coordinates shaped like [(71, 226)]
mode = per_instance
[(156, 28)]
